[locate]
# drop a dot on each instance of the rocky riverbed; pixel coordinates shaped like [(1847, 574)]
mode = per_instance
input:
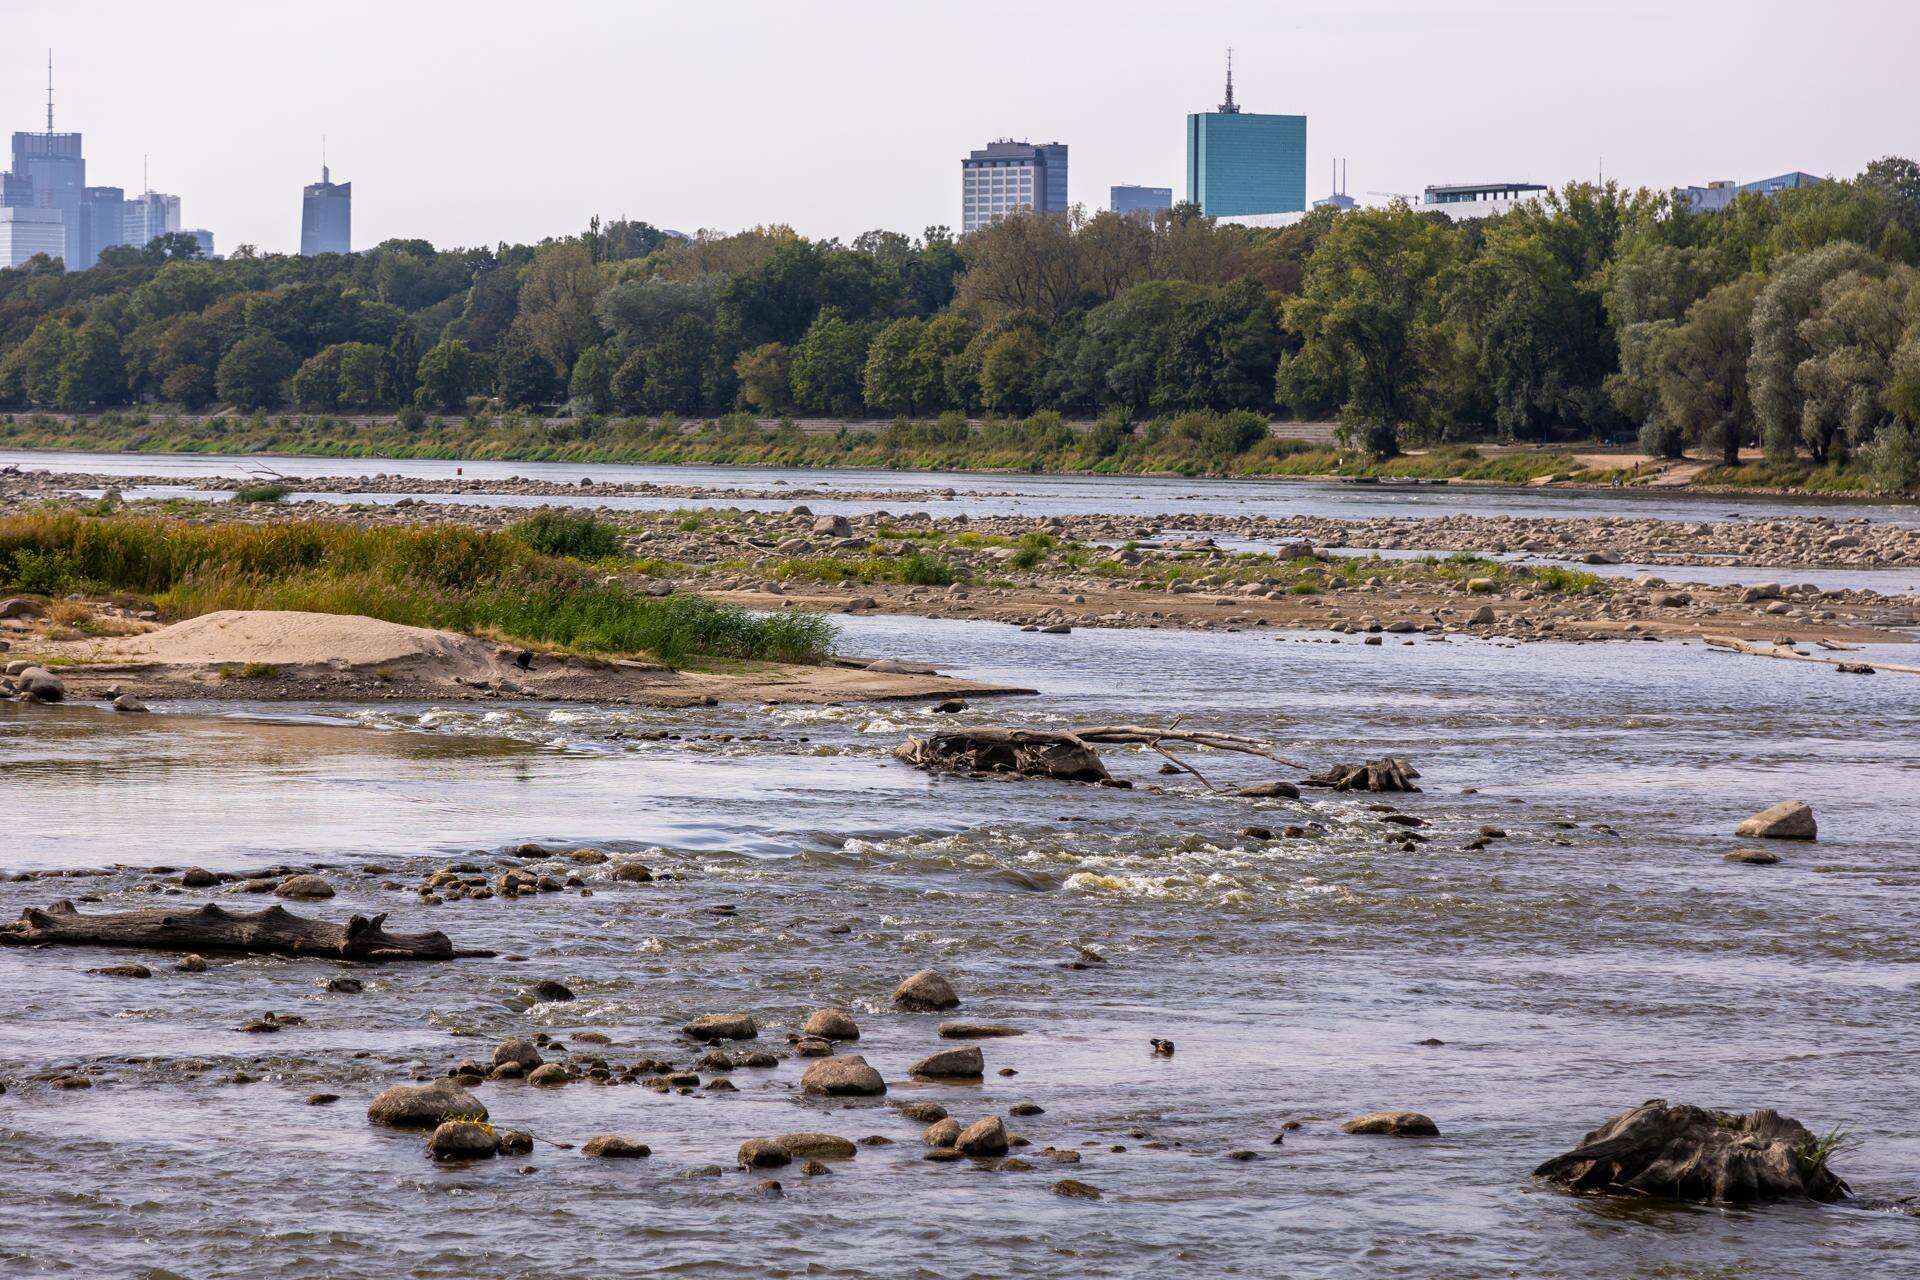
[(1249, 1027)]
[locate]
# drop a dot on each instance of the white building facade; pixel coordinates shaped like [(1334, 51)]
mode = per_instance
[(25, 231)]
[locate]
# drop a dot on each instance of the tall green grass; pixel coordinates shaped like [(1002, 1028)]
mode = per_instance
[(452, 578)]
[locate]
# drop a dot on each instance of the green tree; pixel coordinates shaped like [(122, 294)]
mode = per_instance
[(829, 366), (345, 375), (524, 377), (765, 375), (1851, 339), (1703, 370), (592, 381), (41, 358), (891, 383), (1010, 371), (1789, 298), (92, 372), (446, 376), (555, 315), (1368, 311), (253, 373)]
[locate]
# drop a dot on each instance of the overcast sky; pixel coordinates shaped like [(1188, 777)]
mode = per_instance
[(487, 120)]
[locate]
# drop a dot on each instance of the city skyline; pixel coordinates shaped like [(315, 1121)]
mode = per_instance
[(604, 102)]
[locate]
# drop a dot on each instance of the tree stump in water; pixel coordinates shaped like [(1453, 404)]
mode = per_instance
[(274, 931), (1388, 773)]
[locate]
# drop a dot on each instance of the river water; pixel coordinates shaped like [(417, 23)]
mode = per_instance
[(1600, 954), (974, 494)]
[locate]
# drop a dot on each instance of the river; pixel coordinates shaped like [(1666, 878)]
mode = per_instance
[(1600, 954)]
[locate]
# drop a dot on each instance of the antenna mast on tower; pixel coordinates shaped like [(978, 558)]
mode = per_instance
[(1228, 107), (49, 91)]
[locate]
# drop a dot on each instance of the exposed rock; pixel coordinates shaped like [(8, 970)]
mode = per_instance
[(987, 1137), (40, 684), (831, 1024), (1691, 1153), (552, 1075), (611, 1146), (925, 992), (924, 1112), (1275, 789), (513, 1141), (941, 1133), (1074, 1189), (820, 1146), (632, 873), (410, 1106), (1754, 857), (191, 963), (1395, 1124), (812, 1047), (129, 704), (977, 1030), (814, 1169), (847, 1075), (305, 887), (123, 971), (763, 1153), (1788, 820), (547, 990), (462, 1140), (951, 1064), (519, 1051), (1024, 753), (198, 878), (722, 1026)]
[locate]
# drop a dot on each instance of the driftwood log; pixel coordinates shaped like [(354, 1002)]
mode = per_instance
[(1065, 755), (1789, 653), (1388, 773), (274, 931)]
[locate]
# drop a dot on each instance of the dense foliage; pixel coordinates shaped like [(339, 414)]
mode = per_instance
[(1791, 320)]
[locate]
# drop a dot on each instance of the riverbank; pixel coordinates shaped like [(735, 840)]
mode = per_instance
[(1042, 445)]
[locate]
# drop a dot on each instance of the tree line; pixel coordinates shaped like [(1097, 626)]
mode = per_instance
[(1790, 321)]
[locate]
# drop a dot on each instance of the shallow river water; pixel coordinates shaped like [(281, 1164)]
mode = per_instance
[(1599, 955)]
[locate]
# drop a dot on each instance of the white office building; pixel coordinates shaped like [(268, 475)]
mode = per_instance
[(1008, 177), (25, 231)]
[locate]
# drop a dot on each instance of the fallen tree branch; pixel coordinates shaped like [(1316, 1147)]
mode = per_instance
[(274, 931), (1153, 736), (1791, 655)]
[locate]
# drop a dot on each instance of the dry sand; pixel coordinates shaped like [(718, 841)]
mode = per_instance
[(289, 656)]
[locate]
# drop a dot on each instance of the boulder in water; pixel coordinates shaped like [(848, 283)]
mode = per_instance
[(408, 1106), (1788, 820), (1692, 1153)]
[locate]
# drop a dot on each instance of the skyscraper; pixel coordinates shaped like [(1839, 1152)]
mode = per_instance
[(26, 231), (103, 224), (1007, 177), (53, 164), (150, 214), (1241, 163), (326, 216)]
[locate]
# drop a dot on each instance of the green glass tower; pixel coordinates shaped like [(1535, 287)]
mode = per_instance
[(1239, 162)]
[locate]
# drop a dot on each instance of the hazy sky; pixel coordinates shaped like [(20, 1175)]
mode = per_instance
[(486, 120)]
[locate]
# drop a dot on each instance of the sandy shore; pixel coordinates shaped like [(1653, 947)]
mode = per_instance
[(269, 655)]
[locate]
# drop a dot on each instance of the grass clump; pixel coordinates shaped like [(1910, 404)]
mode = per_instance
[(569, 533), (452, 578), (270, 492)]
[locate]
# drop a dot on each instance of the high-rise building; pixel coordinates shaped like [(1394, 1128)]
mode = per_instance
[(1241, 163), (1716, 196), (56, 170), (1141, 200), (148, 215), (103, 223), (54, 165), (203, 238), (1008, 177), (26, 231), (326, 216)]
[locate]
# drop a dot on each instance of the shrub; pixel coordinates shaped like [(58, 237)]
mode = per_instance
[(923, 570), (273, 491), (569, 533)]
